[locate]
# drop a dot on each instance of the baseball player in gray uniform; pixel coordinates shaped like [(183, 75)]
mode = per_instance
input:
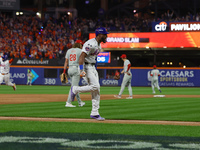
[(72, 59), (87, 61), (154, 80), (29, 78), (127, 78)]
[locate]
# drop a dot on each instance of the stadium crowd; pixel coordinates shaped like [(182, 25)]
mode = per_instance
[(31, 37)]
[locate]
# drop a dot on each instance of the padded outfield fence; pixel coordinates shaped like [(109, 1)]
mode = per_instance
[(170, 77)]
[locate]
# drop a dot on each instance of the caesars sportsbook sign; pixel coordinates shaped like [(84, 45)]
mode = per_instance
[(152, 39)]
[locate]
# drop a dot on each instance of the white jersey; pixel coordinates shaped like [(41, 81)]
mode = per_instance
[(5, 66), (92, 49), (155, 73), (126, 64), (73, 55)]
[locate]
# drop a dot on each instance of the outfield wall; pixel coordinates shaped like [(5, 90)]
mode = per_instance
[(173, 77)]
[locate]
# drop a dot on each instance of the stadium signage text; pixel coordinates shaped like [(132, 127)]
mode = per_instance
[(18, 75), (126, 40), (162, 26), (33, 62), (185, 26), (110, 82), (177, 73), (121, 40)]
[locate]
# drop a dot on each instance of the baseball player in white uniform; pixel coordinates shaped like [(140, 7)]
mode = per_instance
[(5, 69), (72, 60), (127, 78), (154, 80), (29, 78), (87, 61)]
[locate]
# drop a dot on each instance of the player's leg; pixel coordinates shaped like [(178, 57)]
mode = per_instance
[(30, 82), (1, 78), (157, 85), (70, 74), (95, 97), (124, 83), (130, 89), (75, 82), (7, 80), (93, 82), (152, 86)]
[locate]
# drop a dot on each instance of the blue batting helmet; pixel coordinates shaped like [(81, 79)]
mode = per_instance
[(101, 30), (5, 57)]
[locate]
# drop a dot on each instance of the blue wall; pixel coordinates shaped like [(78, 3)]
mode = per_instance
[(169, 77)]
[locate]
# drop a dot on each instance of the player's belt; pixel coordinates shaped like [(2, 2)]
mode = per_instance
[(89, 63), (4, 73)]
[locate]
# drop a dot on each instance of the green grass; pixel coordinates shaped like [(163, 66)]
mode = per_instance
[(160, 108), (179, 109), (99, 128), (41, 89)]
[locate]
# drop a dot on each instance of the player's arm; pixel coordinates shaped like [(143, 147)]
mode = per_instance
[(128, 67), (65, 65), (81, 61), (11, 60)]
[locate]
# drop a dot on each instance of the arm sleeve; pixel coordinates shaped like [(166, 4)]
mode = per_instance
[(10, 61), (129, 66)]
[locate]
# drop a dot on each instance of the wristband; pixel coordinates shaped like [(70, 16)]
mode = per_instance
[(64, 71), (81, 67)]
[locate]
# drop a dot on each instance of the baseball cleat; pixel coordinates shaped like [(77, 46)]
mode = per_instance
[(117, 96), (160, 90), (14, 87), (97, 117), (81, 104), (72, 94), (154, 92), (69, 105), (130, 97)]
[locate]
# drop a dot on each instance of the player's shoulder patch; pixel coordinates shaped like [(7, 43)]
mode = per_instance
[(87, 48)]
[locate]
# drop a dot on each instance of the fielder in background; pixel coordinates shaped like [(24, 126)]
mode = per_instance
[(87, 62), (72, 60), (29, 77), (154, 80), (5, 69), (127, 78)]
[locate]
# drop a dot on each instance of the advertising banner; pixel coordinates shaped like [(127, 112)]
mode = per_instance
[(151, 39), (104, 57), (168, 77), (184, 26), (38, 62), (161, 26)]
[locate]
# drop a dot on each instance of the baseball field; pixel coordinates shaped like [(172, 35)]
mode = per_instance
[(35, 118)]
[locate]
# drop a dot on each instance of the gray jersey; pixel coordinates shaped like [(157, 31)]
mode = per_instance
[(92, 49), (73, 55), (126, 64), (155, 73)]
